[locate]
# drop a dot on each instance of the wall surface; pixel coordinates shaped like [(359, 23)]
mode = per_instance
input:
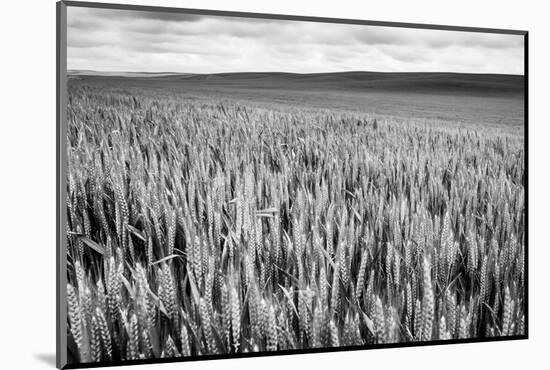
[(27, 196)]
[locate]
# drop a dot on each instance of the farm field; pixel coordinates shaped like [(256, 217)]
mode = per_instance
[(482, 100), (215, 214)]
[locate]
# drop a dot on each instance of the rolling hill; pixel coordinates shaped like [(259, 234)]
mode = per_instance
[(440, 83), (474, 98)]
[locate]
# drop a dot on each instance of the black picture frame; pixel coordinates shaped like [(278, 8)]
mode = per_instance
[(61, 178)]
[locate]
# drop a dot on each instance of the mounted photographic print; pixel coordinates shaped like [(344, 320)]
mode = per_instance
[(237, 184)]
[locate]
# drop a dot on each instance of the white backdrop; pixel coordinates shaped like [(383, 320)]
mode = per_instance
[(27, 196)]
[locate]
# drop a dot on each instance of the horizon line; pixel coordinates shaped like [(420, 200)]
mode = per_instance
[(294, 73)]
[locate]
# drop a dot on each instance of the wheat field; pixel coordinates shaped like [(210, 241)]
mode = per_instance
[(215, 227)]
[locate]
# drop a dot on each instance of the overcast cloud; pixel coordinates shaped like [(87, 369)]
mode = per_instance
[(121, 40)]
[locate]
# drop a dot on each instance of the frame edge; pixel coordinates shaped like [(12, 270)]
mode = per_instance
[(61, 164)]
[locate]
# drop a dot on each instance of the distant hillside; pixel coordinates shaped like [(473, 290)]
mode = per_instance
[(439, 83), (89, 73), (403, 82)]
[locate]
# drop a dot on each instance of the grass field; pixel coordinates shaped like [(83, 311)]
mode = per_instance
[(481, 100), (211, 216)]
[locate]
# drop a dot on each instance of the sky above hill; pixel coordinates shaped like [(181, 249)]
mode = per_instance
[(122, 40)]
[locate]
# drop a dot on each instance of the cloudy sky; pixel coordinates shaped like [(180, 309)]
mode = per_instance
[(121, 40)]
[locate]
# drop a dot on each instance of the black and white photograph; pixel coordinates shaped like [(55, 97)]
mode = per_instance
[(239, 184)]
